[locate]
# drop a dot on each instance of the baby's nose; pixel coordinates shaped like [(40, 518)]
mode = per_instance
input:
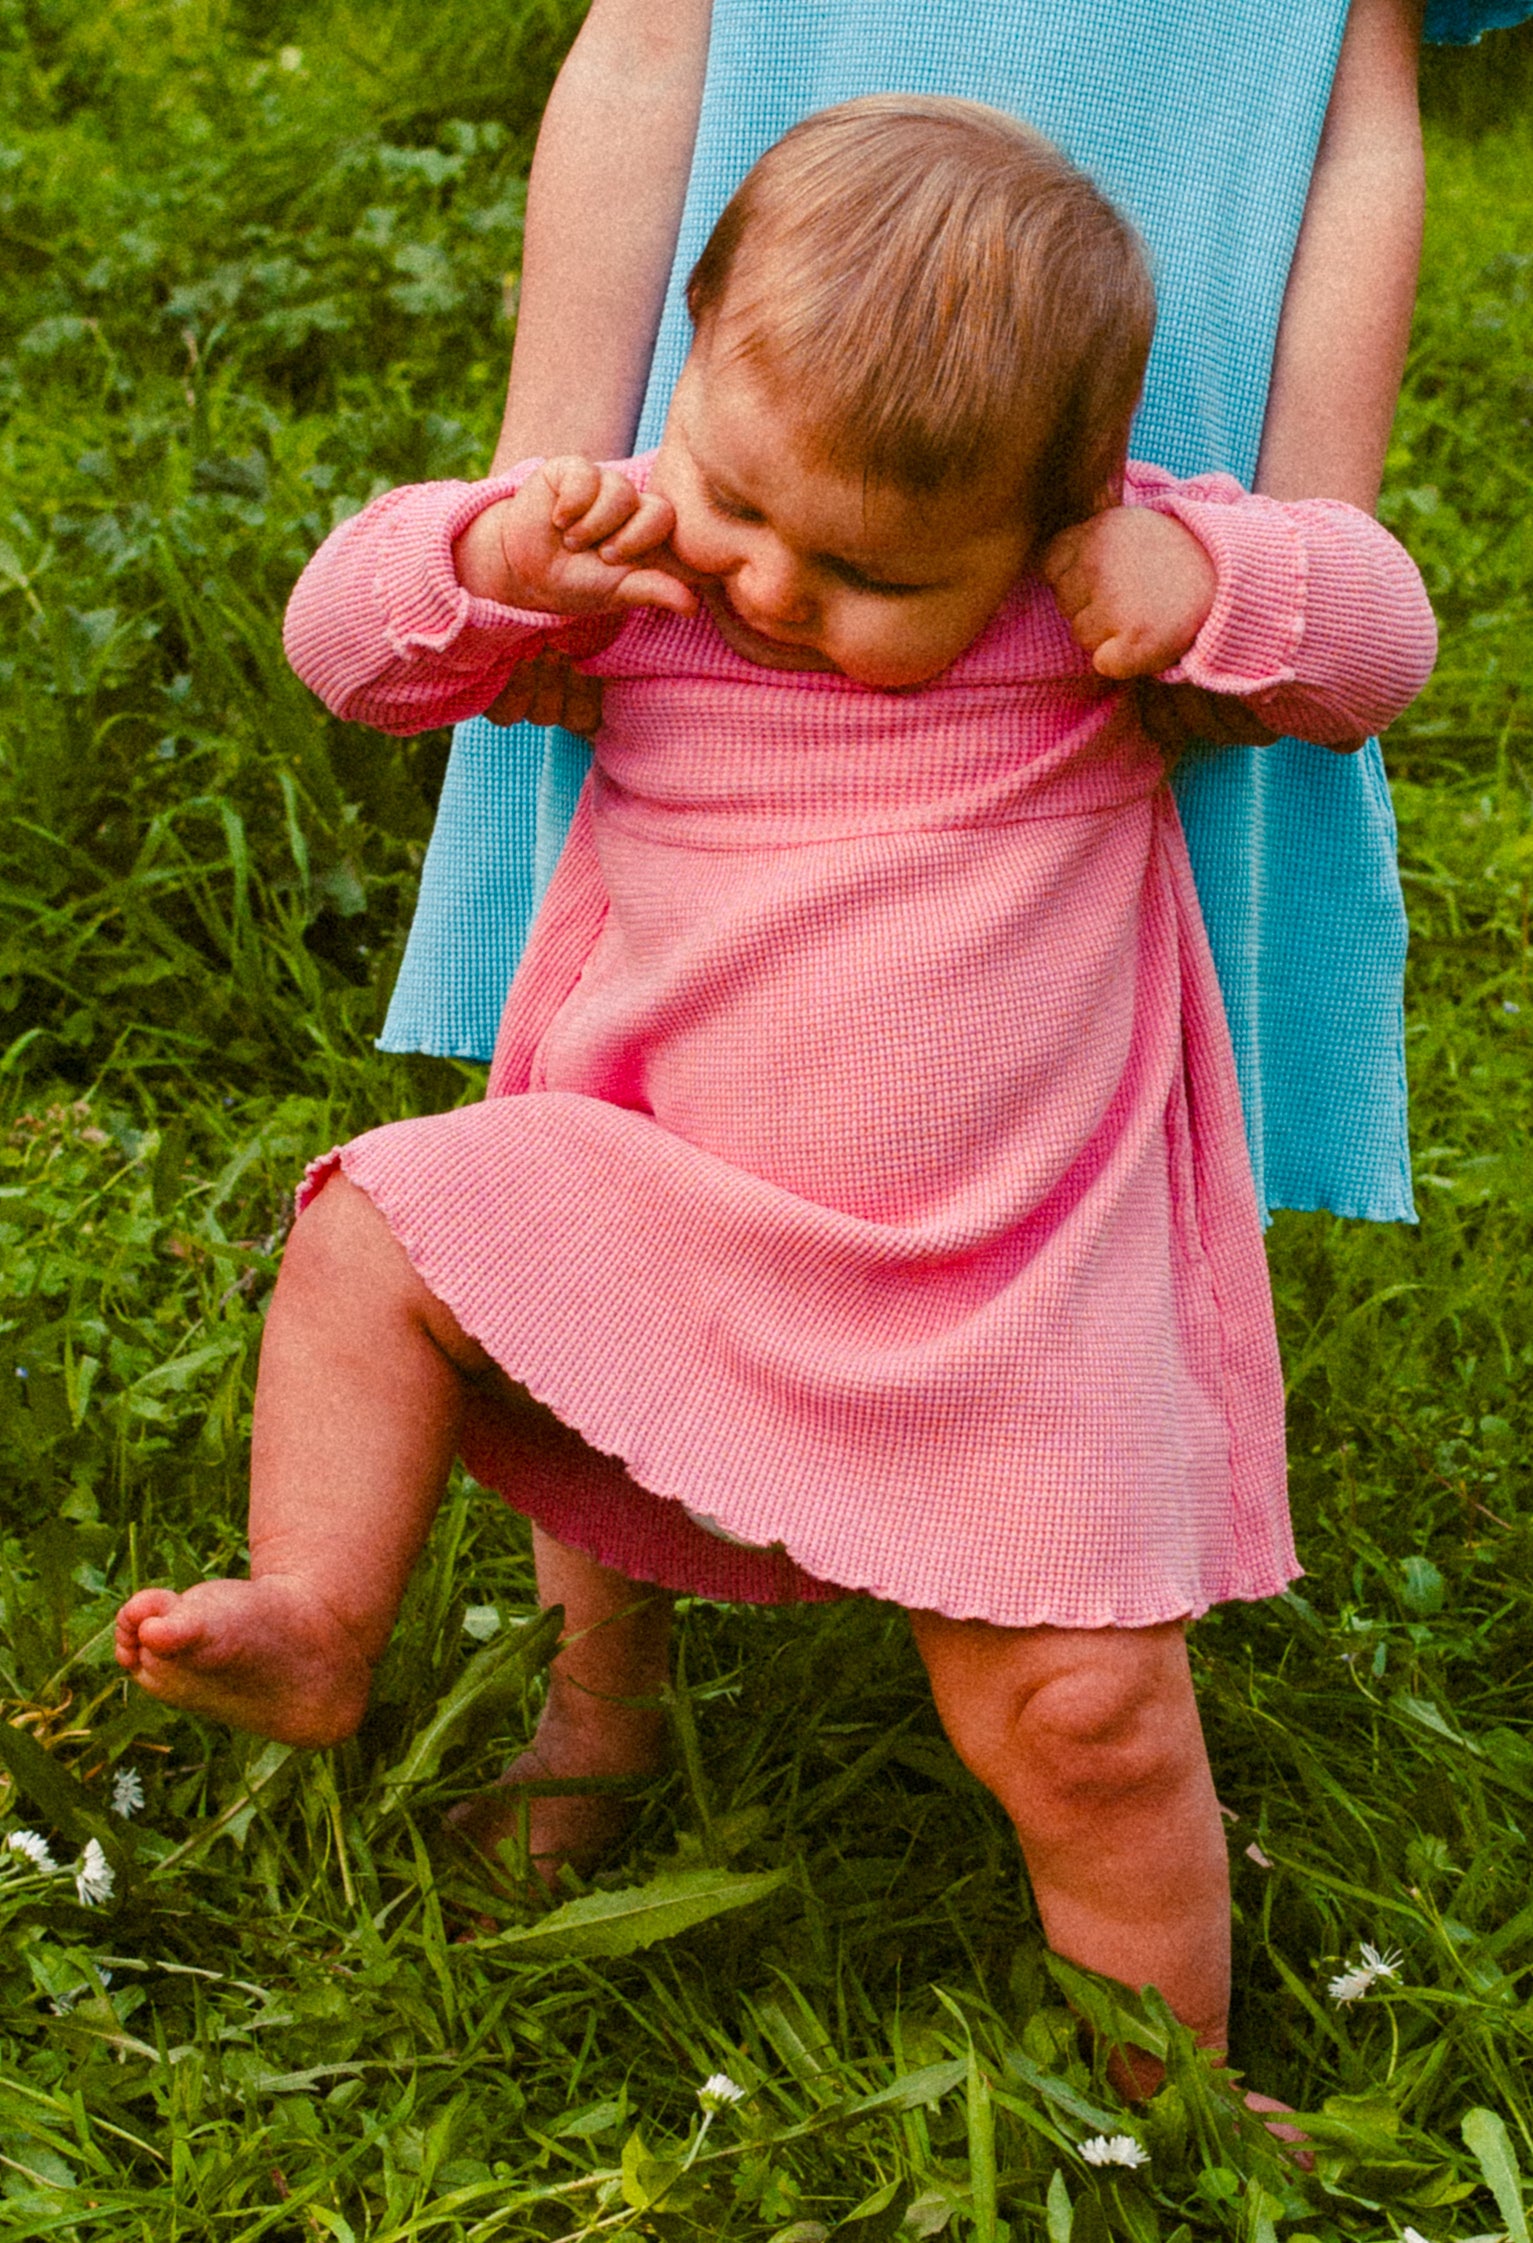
[(773, 587)]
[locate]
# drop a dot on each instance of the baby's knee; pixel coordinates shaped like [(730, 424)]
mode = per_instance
[(343, 1265), (341, 1243), (1070, 1719), (1102, 1736)]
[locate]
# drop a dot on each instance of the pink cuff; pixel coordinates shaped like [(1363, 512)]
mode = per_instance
[(1251, 638)]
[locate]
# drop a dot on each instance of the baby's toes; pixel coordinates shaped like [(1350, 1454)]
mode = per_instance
[(170, 1634), (208, 1626), (144, 1604), (169, 1679)]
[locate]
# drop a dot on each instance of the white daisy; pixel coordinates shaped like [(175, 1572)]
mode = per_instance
[(1361, 1979), (93, 1875), (127, 1792), (718, 2092), (35, 1848), (1114, 2149)]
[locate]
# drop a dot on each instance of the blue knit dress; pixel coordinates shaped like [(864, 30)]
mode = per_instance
[(1201, 119)]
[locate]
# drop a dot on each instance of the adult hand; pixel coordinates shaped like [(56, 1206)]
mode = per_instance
[(549, 690)]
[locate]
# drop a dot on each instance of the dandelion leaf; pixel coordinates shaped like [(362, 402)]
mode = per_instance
[(1260, 2214), (928, 2214), (1485, 2136), (919, 2090), (1090, 2222), (645, 2178), (618, 1923), (1020, 2068), (493, 1678), (1361, 2126), (870, 2207), (1117, 2016), (1058, 2210)]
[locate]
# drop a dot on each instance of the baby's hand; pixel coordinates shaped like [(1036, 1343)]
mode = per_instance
[(577, 539), (1135, 588)]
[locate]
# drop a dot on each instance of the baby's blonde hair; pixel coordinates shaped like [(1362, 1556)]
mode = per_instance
[(941, 296)]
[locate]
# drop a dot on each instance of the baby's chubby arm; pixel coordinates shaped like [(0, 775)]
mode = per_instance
[(387, 631), (1308, 614), (576, 539)]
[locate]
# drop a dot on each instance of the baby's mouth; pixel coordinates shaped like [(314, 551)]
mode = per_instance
[(755, 645)]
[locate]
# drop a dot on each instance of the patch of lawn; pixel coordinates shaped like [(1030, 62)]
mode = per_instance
[(260, 261)]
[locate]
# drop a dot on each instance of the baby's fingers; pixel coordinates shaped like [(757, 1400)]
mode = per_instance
[(649, 525), (1130, 652), (590, 503), (655, 588), (1117, 657), (575, 484), (1062, 567)]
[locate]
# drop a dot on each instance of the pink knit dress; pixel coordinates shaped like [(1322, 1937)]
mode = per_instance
[(863, 1169)]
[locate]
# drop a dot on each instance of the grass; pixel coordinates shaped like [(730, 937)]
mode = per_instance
[(260, 261)]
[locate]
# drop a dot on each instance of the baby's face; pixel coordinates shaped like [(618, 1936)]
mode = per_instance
[(803, 568)]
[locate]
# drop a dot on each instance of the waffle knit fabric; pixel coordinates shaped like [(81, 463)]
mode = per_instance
[(1201, 117), (863, 1164)]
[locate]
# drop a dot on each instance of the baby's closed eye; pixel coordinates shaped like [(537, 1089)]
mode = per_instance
[(858, 580)]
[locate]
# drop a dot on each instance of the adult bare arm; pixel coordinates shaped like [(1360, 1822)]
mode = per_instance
[(1346, 312), (604, 203)]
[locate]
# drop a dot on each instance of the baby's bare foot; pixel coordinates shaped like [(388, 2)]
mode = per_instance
[(267, 1655), (1293, 2138), (559, 1828), (577, 1828)]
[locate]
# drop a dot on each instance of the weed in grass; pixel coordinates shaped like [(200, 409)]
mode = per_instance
[(259, 267)]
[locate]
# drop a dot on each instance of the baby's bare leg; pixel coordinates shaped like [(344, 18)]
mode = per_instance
[(603, 1715), (1091, 1741), (361, 1389)]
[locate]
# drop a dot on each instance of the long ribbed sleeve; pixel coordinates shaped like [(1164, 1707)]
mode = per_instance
[(1320, 623), (380, 628)]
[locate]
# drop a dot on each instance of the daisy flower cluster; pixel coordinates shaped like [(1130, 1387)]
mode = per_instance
[(92, 1873), (1351, 1985)]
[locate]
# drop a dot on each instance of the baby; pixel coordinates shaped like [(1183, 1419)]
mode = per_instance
[(861, 1192)]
